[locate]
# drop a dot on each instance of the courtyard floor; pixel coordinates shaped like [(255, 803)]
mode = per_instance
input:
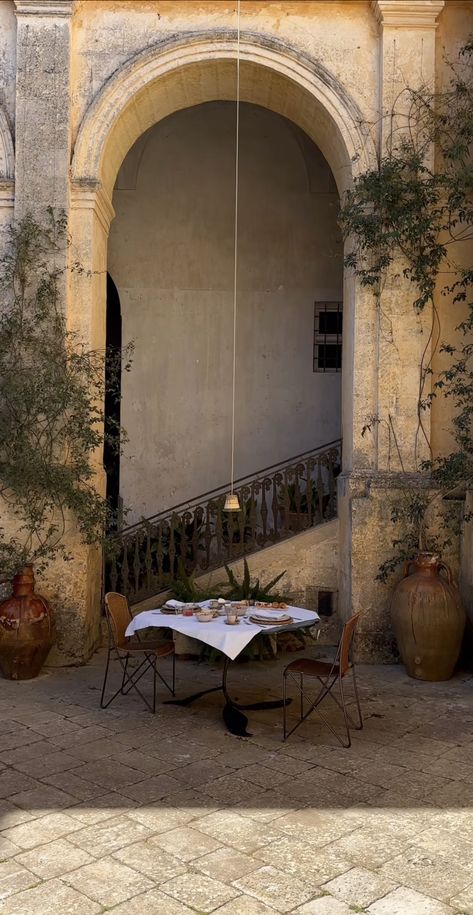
[(121, 811)]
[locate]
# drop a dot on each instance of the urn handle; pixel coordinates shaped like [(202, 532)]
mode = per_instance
[(407, 567), (447, 569)]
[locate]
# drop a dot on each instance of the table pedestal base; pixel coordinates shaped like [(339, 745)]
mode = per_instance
[(235, 721)]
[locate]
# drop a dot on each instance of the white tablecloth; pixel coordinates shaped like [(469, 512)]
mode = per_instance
[(230, 640)]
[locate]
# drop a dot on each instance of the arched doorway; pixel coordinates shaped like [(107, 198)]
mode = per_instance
[(198, 68), (171, 254), (113, 345), (182, 73)]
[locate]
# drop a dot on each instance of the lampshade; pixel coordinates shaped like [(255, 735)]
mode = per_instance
[(232, 503)]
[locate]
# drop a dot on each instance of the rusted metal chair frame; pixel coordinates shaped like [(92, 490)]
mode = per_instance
[(336, 671), (124, 649)]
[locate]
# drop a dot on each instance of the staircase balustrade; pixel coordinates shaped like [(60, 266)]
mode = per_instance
[(199, 536)]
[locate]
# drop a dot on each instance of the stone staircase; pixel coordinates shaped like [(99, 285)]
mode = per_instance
[(288, 520)]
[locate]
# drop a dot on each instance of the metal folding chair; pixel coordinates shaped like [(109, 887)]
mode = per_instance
[(118, 616), (330, 675)]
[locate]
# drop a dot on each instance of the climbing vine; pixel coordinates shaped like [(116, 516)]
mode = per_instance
[(416, 209), (52, 423)]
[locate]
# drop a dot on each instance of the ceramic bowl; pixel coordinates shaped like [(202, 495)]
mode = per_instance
[(214, 605), (204, 616)]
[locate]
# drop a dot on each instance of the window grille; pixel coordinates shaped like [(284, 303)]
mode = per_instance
[(328, 319)]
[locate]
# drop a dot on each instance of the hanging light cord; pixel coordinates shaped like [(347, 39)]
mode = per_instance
[(237, 157)]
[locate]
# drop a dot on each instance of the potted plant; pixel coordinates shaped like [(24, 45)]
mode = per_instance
[(426, 609), (51, 426)]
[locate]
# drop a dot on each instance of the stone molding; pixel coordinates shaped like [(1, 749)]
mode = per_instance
[(361, 482), (7, 194), (408, 14), (172, 55), (90, 195), (51, 8), (7, 152)]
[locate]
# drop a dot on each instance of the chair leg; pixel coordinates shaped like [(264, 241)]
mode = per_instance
[(300, 685), (143, 666), (154, 688), (345, 715), (105, 680), (163, 680), (359, 727), (326, 688), (133, 681), (130, 681), (284, 712), (124, 675), (343, 706), (151, 660)]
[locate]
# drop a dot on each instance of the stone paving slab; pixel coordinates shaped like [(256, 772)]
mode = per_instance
[(124, 812)]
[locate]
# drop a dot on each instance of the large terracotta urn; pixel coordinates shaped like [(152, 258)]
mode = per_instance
[(428, 619), (26, 629)]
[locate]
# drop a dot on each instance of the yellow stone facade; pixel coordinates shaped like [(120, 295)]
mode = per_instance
[(83, 79)]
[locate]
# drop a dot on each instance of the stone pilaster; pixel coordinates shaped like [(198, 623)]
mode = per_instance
[(42, 162), (409, 14), (42, 104), (407, 57), (386, 384), (406, 62)]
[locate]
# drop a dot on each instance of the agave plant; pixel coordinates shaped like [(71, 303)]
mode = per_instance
[(249, 589), (184, 587)]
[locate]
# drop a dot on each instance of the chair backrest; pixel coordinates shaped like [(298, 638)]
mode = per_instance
[(118, 616), (346, 643)]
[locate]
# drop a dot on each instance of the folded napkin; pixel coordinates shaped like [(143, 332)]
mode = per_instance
[(173, 604), (269, 614)]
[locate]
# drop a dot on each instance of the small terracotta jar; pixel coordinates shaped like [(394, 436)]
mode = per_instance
[(26, 629), (428, 619)]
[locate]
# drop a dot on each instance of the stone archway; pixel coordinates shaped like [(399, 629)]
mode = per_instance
[(177, 74), (201, 67)]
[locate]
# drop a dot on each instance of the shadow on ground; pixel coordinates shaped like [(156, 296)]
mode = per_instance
[(125, 811)]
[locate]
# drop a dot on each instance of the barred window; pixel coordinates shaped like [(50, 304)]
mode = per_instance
[(328, 319)]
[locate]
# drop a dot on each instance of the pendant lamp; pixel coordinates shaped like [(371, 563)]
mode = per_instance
[(232, 503)]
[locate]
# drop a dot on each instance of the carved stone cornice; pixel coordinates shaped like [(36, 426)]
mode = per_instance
[(7, 193), (91, 195), (408, 14), (52, 8)]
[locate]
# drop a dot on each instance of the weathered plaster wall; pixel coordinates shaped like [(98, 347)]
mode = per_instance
[(455, 24), (42, 110), (343, 36), (171, 257)]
